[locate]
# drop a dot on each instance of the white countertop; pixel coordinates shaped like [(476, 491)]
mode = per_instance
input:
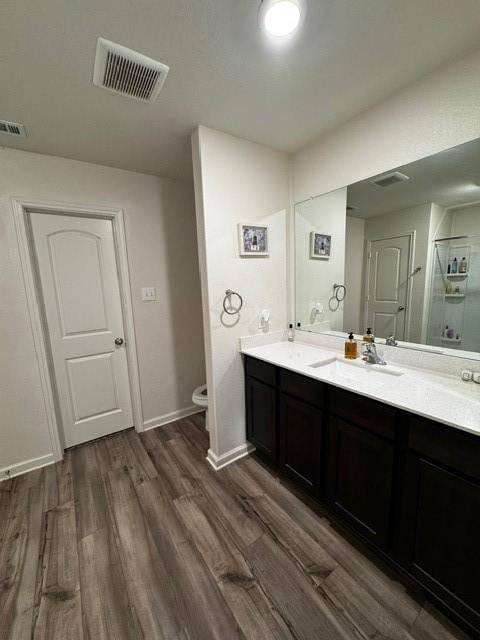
[(443, 398)]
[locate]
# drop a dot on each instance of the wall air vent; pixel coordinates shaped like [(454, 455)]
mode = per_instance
[(127, 72), (389, 179), (12, 128)]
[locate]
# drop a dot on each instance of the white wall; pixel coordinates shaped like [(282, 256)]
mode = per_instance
[(437, 112), (354, 274), (161, 245), (465, 221), (236, 181), (315, 278)]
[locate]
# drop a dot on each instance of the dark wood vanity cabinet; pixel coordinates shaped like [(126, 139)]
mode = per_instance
[(360, 464), (359, 481), (300, 442), (261, 404), (440, 515), (407, 485)]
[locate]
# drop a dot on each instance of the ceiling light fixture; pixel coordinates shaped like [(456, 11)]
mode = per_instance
[(281, 17)]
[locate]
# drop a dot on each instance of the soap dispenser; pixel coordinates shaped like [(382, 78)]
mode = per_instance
[(369, 337), (290, 333), (351, 348)]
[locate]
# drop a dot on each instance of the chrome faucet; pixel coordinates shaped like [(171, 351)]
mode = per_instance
[(391, 341), (370, 354)]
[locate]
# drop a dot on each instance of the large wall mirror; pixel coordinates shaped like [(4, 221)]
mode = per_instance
[(398, 252)]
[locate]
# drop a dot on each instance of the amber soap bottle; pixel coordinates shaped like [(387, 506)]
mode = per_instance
[(351, 348), (369, 337)]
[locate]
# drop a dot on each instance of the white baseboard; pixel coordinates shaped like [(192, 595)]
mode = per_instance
[(218, 462), (27, 465), (159, 421)]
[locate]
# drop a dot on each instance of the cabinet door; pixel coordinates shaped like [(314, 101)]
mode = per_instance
[(300, 442), (441, 533), (261, 417), (359, 483)]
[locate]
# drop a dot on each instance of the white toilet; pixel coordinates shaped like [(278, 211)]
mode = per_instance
[(200, 398)]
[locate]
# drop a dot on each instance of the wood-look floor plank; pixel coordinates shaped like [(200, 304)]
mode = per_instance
[(89, 491), (199, 601), (303, 610), (252, 610), (150, 586), (390, 593), (142, 538), (243, 524), (432, 625), (141, 466), (50, 487), (313, 559), (65, 479), (191, 429), (59, 611), (107, 611), (365, 612), (178, 480), (19, 559)]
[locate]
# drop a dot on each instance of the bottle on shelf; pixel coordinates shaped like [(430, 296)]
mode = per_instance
[(454, 265), (463, 266)]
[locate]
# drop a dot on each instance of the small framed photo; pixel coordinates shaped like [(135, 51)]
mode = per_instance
[(320, 246), (252, 239)]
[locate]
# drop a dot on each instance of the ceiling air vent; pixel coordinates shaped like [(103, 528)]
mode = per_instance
[(127, 72), (12, 128), (389, 179)]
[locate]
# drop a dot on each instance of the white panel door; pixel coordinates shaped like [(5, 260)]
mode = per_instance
[(388, 286), (81, 295)]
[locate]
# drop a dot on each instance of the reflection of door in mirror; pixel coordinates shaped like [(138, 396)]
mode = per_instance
[(387, 286)]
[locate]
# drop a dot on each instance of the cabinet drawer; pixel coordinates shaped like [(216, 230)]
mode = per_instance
[(261, 370), (302, 387), (364, 412), (448, 446)]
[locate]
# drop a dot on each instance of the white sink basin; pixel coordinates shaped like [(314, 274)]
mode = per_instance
[(357, 370)]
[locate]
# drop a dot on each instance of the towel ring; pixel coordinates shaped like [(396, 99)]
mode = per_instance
[(231, 311), (339, 291), (333, 303)]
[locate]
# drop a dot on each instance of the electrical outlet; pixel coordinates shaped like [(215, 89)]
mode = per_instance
[(149, 294)]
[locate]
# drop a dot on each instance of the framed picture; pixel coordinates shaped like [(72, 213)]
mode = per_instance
[(320, 246), (252, 239)]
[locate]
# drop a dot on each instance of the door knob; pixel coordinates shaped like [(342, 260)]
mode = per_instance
[(119, 342), (401, 308)]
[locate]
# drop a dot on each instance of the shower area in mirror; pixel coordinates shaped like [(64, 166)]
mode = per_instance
[(454, 317)]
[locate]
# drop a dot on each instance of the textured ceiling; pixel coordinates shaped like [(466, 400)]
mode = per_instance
[(347, 56)]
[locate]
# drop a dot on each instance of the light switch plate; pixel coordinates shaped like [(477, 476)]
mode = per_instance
[(149, 294)]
